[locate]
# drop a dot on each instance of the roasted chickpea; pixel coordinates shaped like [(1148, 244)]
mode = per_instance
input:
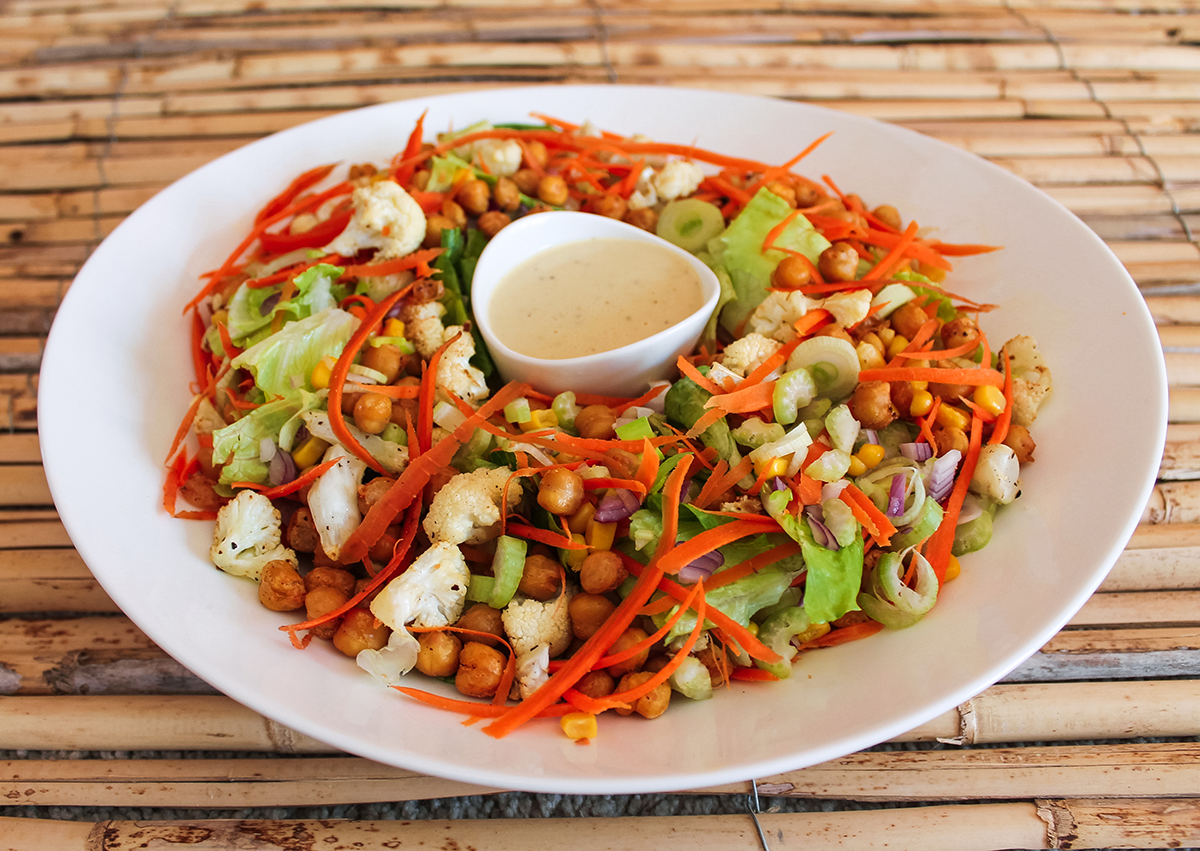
[(527, 181), (434, 225), (949, 437), (650, 705), (596, 684), (452, 210), (552, 189), (950, 391), (716, 659), (835, 330), (301, 532), (887, 214), (437, 655), (588, 612), (506, 194), (601, 572), (349, 400), (625, 640), (473, 194), (560, 491), (596, 422), (361, 631), (959, 331), (332, 577), (902, 397), (838, 262), (541, 579), (482, 618), (791, 273), (851, 619), (493, 221), (427, 290), (386, 359), (536, 155), (479, 670), (871, 404), (807, 195), (784, 191), (200, 491), (281, 589), (646, 218), (381, 551), (612, 206), (373, 412), (372, 492), (321, 601), (420, 179), (1020, 442), (907, 320)]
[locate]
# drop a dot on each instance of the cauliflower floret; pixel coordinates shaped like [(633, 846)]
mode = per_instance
[(247, 536), (1031, 378), (997, 473), (385, 217), (501, 157), (467, 507), (537, 632), (678, 179), (644, 194), (333, 500), (423, 325), (775, 315), (744, 355), (454, 371), (848, 308), (432, 592), (391, 456)]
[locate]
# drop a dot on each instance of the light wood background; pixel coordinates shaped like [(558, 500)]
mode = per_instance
[(1091, 743)]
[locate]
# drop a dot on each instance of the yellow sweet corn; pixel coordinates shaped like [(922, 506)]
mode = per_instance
[(953, 569), (871, 454), (539, 419), (393, 328), (814, 631), (579, 725), (899, 343), (309, 452), (949, 416), (572, 559), (857, 467), (321, 373), (922, 403), (578, 521), (771, 467), (599, 536), (990, 398)]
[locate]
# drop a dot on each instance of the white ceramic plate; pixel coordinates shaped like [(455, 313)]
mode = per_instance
[(114, 386)]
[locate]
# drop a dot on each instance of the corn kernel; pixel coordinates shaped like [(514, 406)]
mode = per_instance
[(990, 398), (869, 357), (599, 536), (321, 373), (886, 335), (919, 385), (933, 273), (953, 569), (922, 403), (871, 454), (752, 628), (950, 417), (393, 328), (857, 467), (578, 521), (813, 632), (772, 467), (309, 452), (579, 725), (539, 419), (899, 343), (573, 559)]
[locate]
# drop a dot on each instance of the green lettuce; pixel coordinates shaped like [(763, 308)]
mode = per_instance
[(295, 349), (316, 290), (238, 444), (739, 251)]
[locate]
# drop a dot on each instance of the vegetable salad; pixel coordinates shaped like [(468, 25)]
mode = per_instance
[(843, 433)]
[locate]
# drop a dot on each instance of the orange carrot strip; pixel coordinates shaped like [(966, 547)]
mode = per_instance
[(391, 267), (917, 249), (961, 250), (650, 640), (603, 482), (879, 525), (753, 675), (744, 400), (752, 565), (544, 536), (1000, 431), (941, 375), (777, 231), (843, 636), (392, 392), (647, 470), (709, 491), (808, 490), (480, 710), (811, 321), (403, 174), (938, 549), (775, 361), (926, 423), (704, 543), (672, 494), (300, 481), (708, 418), (337, 378), (946, 354), (983, 414), (894, 255), (686, 367), (649, 396), (425, 395)]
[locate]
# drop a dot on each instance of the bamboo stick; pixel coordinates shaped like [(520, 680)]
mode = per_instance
[(24, 484), (1155, 570), (1144, 607), (1173, 502), (19, 448), (1184, 405), (1113, 654), (49, 580)]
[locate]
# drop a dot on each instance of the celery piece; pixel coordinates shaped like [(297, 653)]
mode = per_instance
[(481, 589), (777, 632), (517, 411), (565, 409), (635, 430), (507, 566), (794, 390), (396, 434)]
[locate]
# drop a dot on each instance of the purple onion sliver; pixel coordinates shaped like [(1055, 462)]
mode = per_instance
[(916, 451), (871, 435), (971, 509), (815, 512), (269, 304), (266, 450), (618, 504), (941, 476), (701, 567), (685, 491), (896, 496), (282, 469), (822, 535), (832, 490)]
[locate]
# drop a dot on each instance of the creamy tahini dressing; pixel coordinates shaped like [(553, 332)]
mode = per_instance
[(591, 296)]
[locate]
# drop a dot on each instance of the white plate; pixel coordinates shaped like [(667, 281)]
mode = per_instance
[(114, 386)]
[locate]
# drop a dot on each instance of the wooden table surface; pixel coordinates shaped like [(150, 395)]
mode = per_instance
[(1091, 743)]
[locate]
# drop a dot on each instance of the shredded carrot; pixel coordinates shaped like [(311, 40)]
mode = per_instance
[(1000, 430), (893, 256), (310, 475), (808, 489), (843, 636), (686, 367), (721, 480), (926, 423), (917, 249), (946, 354), (421, 257), (940, 375), (649, 396), (605, 482), (425, 395), (479, 710), (543, 536), (753, 675), (402, 173), (647, 470), (940, 542), (868, 514), (650, 640), (281, 201), (704, 421), (710, 539), (753, 565), (812, 320), (672, 495), (961, 250), (777, 231), (755, 397)]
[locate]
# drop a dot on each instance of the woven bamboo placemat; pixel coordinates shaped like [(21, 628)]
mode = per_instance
[(1092, 743)]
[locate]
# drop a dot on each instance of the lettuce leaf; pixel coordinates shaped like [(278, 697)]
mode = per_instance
[(240, 442), (295, 349), (739, 251)]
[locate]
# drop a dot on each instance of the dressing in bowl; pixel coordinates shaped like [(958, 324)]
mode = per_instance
[(576, 301)]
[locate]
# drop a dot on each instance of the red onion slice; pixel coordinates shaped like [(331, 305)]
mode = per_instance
[(871, 435), (268, 304), (971, 509), (833, 490), (916, 451), (820, 531), (617, 505), (700, 568), (282, 469), (941, 477), (896, 496)]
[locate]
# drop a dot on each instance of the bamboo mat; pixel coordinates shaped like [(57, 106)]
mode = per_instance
[(1094, 742)]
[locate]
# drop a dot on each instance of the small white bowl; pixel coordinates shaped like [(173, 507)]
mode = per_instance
[(625, 371)]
